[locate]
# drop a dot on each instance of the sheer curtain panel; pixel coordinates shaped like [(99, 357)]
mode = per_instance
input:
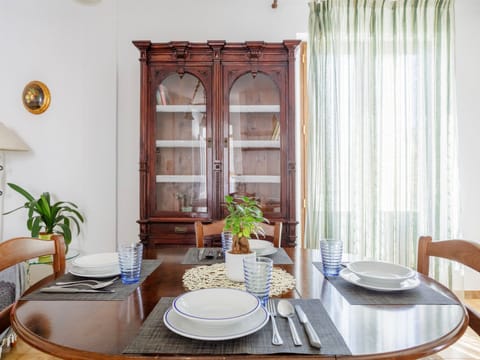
[(382, 132)]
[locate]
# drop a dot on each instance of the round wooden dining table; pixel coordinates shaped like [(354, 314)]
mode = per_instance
[(102, 329)]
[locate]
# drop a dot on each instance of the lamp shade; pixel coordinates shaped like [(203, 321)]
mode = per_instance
[(9, 140)]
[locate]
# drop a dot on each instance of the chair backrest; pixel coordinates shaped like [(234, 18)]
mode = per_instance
[(462, 251), (274, 231), (18, 250), (203, 230)]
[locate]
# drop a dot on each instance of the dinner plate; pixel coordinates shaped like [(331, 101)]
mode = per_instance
[(96, 260), (352, 278), (262, 247), (380, 272), (199, 331), (216, 306), (95, 275)]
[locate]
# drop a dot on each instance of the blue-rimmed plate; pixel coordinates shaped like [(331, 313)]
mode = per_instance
[(199, 331), (217, 306)]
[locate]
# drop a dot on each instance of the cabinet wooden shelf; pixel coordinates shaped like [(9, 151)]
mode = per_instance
[(264, 179), (179, 179), (215, 118), (261, 144), (255, 108), (181, 108), (179, 143)]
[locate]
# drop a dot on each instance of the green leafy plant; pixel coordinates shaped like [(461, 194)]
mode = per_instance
[(243, 220), (47, 217)]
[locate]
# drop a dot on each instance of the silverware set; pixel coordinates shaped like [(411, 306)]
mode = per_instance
[(287, 310), (209, 254), (272, 311), (81, 286)]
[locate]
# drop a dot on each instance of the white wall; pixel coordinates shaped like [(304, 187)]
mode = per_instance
[(85, 147), (468, 85), (70, 47)]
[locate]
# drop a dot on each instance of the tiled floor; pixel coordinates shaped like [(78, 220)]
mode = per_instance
[(468, 347)]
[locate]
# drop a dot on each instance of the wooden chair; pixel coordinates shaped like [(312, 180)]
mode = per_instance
[(462, 251), (204, 230), (273, 231), (20, 249)]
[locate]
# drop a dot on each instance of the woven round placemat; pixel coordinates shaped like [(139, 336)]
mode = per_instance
[(212, 276)]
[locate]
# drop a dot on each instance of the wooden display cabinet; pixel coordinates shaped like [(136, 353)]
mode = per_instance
[(216, 118)]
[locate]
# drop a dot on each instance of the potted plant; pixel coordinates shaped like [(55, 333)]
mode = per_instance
[(46, 218), (243, 220)]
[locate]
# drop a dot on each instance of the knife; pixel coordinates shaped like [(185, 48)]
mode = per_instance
[(59, 289), (200, 254), (311, 333)]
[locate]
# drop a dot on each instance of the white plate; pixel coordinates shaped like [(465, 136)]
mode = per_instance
[(216, 305), (352, 278), (267, 252), (262, 247), (96, 260), (380, 272), (195, 330), (99, 275)]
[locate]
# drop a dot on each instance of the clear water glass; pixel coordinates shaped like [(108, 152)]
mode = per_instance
[(130, 261), (227, 237), (331, 256), (258, 276)]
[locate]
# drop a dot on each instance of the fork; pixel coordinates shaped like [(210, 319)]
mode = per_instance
[(272, 311), (92, 284)]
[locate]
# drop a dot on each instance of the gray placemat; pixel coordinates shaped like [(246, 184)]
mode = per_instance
[(356, 295), (155, 338), (192, 257), (121, 291)]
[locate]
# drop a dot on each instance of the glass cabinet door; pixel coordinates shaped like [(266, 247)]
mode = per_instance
[(254, 140), (180, 140)]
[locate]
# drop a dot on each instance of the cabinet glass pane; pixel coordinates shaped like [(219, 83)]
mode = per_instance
[(254, 140), (180, 137)]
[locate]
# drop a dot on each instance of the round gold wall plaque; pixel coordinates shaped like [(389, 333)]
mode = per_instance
[(36, 97)]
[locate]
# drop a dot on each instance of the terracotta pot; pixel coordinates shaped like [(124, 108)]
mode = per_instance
[(234, 265)]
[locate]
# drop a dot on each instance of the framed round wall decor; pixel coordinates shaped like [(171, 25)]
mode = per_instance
[(36, 97)]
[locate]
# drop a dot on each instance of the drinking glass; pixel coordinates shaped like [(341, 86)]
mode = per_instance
[(130, 260), (227, 237), (258, 276), (331, 256)]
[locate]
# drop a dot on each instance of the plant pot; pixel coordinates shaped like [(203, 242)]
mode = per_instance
[(234, 265), (45, 259)]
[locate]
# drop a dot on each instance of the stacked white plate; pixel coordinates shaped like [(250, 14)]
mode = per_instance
[(101, 265), (215, 314), (262, 247), (380, 276)]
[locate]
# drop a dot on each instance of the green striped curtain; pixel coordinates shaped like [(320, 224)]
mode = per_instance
[(382, 133)]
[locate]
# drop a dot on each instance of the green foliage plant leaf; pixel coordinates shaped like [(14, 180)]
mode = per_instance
[(45, 217), (243, 220)]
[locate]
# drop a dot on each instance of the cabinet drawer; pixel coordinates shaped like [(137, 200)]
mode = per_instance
[(182, 229), (172, 233)]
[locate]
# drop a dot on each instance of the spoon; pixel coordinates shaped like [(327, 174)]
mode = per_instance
[(286, 310)]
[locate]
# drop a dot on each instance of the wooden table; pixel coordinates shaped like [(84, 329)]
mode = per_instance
[(101, 329)]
